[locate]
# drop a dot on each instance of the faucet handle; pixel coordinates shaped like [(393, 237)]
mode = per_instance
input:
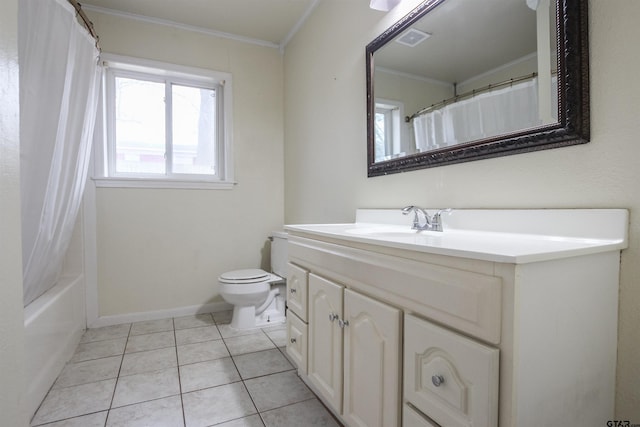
[(407, 209), (441, 211), (437, 220), (416, 220)]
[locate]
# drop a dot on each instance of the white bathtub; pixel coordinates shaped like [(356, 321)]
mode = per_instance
[(53, 325)]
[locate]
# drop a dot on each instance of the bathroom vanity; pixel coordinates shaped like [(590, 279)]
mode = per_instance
[(506, 318)]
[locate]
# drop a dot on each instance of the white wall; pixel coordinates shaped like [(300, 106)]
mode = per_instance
[(520, 68), (12, 388), (413, 93), (325, 149), (164, 249)]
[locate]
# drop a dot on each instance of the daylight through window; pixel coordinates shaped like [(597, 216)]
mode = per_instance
[(164, 126)]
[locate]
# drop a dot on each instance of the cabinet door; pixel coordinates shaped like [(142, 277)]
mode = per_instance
[(450, 378), (371, 362), (297, 290), (297, 341), (325, 339)]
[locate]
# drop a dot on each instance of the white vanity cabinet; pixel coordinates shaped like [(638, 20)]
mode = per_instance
[(478, 329)]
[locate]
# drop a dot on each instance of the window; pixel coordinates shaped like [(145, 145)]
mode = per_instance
[(388, 129), (165, 124), (384, 132)]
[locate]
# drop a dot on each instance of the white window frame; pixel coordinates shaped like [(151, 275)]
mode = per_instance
[(122, 66), (393, 112)]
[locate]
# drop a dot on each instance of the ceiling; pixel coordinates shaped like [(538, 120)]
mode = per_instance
[(457, 50), (269, 22), (468, 38)]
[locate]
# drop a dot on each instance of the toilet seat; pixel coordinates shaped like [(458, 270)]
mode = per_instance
[(245, 277), (250, 276)]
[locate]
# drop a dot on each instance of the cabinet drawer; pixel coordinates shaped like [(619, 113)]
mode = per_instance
[(450, 378), (413, 418), (297, 341), (297, 285)]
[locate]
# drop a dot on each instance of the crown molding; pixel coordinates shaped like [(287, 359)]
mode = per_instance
[(174, 24)]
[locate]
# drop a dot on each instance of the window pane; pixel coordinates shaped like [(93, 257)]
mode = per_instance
[(194, 130), (140, 126), (380, 133)]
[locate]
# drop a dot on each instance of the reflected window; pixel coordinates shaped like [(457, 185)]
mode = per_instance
[(388, 129)]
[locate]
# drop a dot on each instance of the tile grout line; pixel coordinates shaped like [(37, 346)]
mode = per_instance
[(43, 399), (115, 386), (280, 352), (61, 388), (243, 380), (175, 340), (237, 370), (240, 376)]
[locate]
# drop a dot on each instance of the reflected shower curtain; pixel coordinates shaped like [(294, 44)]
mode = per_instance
[(59, 82), (485, 115)]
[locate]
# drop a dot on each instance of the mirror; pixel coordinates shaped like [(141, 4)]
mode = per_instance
[(461, 80)]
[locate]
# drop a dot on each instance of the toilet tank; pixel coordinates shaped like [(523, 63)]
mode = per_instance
[(279, 253)]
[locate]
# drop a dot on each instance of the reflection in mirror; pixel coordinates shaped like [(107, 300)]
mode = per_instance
[(457, 74)]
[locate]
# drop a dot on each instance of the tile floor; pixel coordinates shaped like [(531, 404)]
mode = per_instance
[(192, 371)]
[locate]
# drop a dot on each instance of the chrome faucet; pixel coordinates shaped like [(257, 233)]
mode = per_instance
[(416, 220), (430, 223)]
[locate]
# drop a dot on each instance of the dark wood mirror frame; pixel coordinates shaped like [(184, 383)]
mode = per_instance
[(573, 99)]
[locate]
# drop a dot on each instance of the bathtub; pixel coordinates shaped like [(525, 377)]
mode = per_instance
[(53, 325)]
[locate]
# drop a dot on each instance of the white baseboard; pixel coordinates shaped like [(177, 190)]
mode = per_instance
[(117, 319)]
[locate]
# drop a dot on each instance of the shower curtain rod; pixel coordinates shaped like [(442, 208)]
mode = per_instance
[(87, 22), (474, 92)]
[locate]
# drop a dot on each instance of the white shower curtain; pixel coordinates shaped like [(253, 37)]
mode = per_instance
[(59, 82), (485, 115)]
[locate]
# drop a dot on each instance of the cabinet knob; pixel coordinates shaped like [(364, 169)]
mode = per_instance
[(332, 317), (343, 323), (293, 340), (437, 380), (292, 290)]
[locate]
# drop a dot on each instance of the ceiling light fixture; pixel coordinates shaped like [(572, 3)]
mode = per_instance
[(384, 5)]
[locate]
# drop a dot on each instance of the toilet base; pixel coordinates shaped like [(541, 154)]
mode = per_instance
[(270, 318), (244, 317)]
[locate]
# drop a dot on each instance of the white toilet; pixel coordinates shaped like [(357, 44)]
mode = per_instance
[(258, 297)]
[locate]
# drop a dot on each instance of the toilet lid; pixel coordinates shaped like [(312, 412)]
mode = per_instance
[(239, 277)]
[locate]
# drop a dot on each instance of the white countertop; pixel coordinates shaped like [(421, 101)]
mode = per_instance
[(506, 236)]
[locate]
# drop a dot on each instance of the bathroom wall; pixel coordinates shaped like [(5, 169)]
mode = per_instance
[(12, 389), (325, 150), (521, 67), (413, 93), (163, 249)]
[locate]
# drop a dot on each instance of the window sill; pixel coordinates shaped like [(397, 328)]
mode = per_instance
[(162, 183)]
